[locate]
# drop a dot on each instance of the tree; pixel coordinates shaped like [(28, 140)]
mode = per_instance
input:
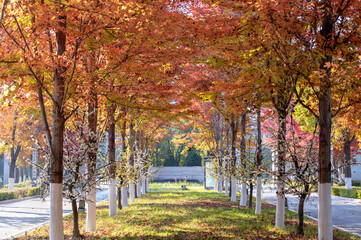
[(193, 158), (300, 175)]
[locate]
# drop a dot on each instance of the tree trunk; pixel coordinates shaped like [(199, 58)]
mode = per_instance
[(259, 164), (147, 184), (226, 186), (243, 200), (56, 166), (233, 189), (24, 174), (216, 181), (132, 192), (139, 189), (234, 127), (324, 173), (12, 171), (144, 189), (112, 167), (347, 153), (14, 156), (91, 161), (230, 188), (281, 151), (339, 171), (250, 195), (76, 231), (119, 198), (259, 195), (303, 196), (125, 196), (300, 225), (220, 157), (124, 191)]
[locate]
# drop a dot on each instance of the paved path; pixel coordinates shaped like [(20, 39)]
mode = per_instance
[(346, 212), (18, 216)]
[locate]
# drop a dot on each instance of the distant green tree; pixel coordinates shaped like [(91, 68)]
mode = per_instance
[(193, 158)]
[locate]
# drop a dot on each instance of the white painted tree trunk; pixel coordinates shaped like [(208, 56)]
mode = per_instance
[(131, 192), (144, 190), (226, 183), (280, 207), (339, 177), (147, 184), (324, 211), (139, 189), (91, 209), (215, 185), (112, 197), (124, 196), (56, 212), (233, 189), (11, 184), (243, 201), (220, 184), (348, 183), (259, 196)]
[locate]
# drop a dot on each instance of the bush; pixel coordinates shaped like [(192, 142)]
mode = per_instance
[(355, 192), (350, 193), (354, 184), (19, 185), (335, 191), (19, 193), (359, 194)]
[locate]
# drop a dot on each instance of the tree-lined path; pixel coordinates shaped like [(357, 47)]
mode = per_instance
[(169, 213), (103, 84), (346, 212), (18, 216)]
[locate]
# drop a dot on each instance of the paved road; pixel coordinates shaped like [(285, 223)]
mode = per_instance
[(346, 212), (18, 216)]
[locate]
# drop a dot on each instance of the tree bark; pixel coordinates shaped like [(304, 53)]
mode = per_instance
[(234, 127), (324, 163), (300, 225), (250, 195), (132, 192), (119, 195), (259, 164), (112, 167), (281, 151), (243, 200), (56, 165), (76, 232), (347, 153), (91, 161), (124, 192), (13, 155), (220, 156)]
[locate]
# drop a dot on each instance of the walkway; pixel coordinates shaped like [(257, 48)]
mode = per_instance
[(20, 215), (346, 212)]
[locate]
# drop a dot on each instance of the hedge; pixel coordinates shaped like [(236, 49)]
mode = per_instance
[(19, 185), (355, 192), (19, 193)]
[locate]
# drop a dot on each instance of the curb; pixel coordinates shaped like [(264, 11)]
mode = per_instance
[(19, 199)]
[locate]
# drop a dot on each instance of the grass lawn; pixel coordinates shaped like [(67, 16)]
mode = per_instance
[(170, 213)]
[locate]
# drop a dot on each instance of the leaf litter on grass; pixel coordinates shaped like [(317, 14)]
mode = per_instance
[(192, 214)]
